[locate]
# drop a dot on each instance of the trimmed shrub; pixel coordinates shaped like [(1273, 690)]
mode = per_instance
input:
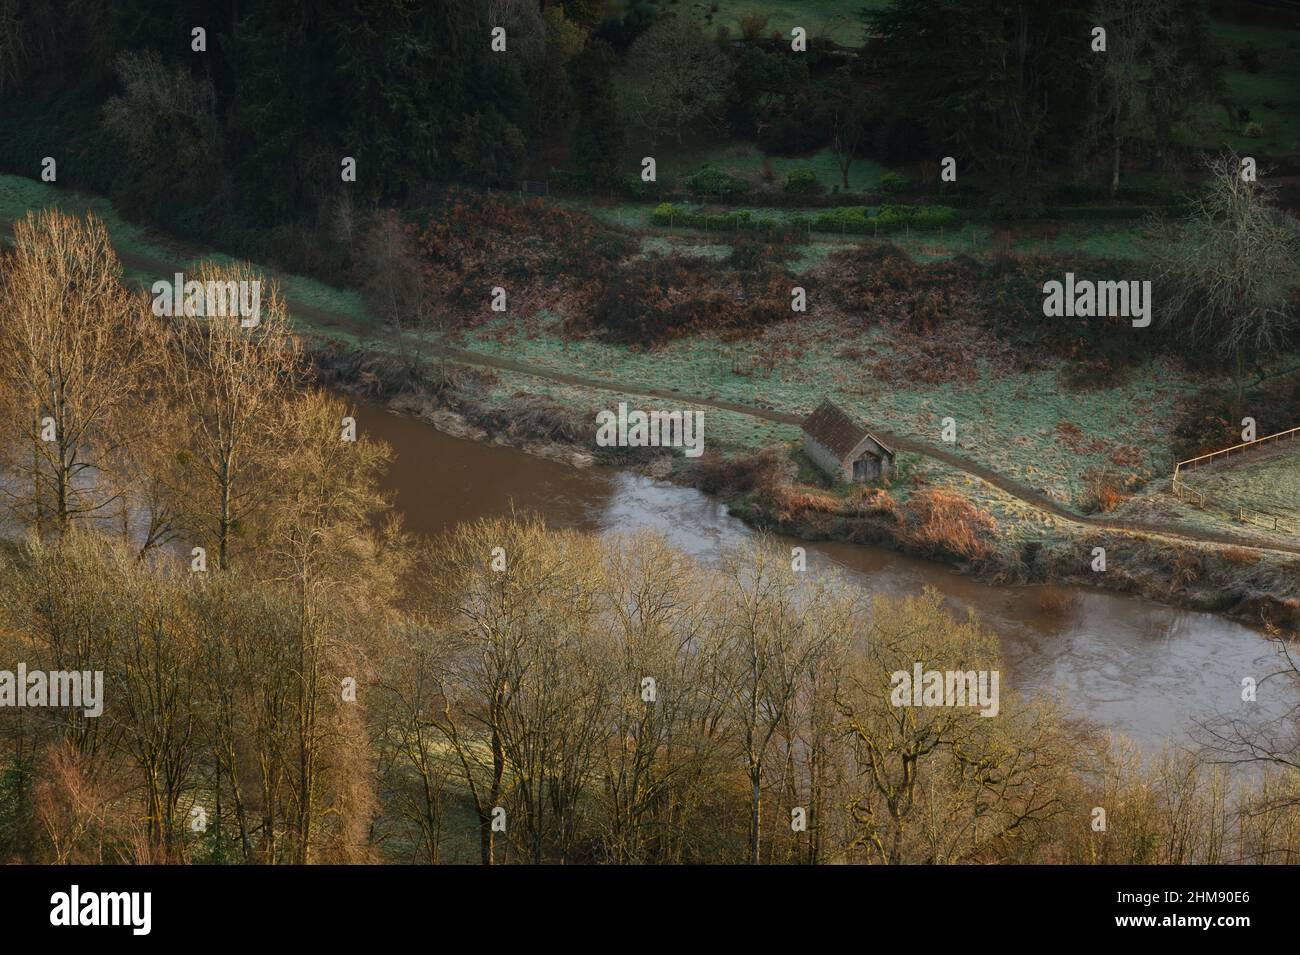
[(716, 183), (802, 182), (892, 183)]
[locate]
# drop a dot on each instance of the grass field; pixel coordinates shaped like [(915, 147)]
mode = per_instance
[(1266, 479), (1006, 421), (18, 196), (837, 19), (745, 160), (1121, 240), (1277, 83)]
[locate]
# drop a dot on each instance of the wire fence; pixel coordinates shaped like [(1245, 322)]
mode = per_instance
[(1242, 512)]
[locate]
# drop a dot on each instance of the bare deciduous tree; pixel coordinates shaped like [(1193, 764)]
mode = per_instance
[(776, 636), (232, 383), (1228, 270), (74, 359), (944, 783)]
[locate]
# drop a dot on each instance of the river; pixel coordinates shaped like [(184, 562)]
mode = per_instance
[(1131, 665)]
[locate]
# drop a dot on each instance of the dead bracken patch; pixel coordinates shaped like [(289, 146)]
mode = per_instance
[(943, 523), (546, 255)]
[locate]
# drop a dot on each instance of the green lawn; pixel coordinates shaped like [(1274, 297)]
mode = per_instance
[(837, 19), (1268, 482), (1267, 479), (19, 195), (1120, 240), (1277, 82), (746, 161)]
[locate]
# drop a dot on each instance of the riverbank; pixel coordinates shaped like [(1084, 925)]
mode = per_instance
[(775, 489)]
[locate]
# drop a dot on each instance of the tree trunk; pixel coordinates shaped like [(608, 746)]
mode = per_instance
[(1114, 166), (223, 528), (485, 839)]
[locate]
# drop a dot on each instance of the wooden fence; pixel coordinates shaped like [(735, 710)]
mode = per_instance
[(1244, 514)]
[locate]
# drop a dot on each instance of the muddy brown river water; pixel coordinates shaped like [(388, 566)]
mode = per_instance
[(1131, 665)]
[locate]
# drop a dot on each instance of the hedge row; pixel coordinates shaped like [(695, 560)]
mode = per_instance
[(667, 214), (890, 218)]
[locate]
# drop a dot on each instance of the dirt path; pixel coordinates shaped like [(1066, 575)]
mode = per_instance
[(1016, 489)]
